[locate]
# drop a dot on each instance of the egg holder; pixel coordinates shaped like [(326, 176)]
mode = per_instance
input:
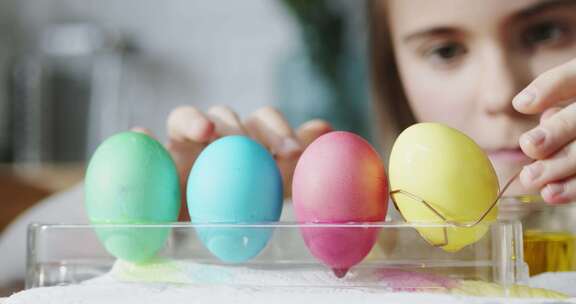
[(443, 218), (54, 259)]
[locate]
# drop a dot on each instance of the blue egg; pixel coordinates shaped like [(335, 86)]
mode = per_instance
[(234, 180)]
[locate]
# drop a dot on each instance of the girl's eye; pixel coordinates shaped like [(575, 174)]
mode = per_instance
[(547, 34), (446, 53)]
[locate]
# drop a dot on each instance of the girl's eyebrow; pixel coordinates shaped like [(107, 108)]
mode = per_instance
[(541, 7), (435, 31), (535, 9)]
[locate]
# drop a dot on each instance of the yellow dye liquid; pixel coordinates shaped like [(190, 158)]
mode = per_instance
[(549, 251)]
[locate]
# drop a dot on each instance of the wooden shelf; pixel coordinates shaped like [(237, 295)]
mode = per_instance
[(22, 186)]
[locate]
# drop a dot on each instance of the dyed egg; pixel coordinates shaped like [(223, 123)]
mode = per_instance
[(234, 180), (452, 173), (340, 179), (131, 179)]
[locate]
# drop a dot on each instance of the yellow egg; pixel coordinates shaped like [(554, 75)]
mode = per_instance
[(449, 171)]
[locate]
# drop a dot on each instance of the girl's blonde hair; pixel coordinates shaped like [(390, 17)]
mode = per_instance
[(392, 111)]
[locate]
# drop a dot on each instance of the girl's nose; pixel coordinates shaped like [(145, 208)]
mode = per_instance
[(502, 76)]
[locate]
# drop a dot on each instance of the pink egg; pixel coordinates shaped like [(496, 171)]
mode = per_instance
[(340, 179)]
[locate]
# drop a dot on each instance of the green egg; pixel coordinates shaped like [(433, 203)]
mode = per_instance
[(131, 179)]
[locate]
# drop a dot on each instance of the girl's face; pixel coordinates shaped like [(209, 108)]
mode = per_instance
[(461, 63)]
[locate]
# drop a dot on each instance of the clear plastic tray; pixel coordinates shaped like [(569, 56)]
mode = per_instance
[(549, 232), (68, 254)]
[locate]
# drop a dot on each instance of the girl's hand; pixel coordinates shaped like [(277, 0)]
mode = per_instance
[(553, 143), (190, 130)]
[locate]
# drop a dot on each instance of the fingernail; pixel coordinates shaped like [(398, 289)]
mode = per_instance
[(201, 131), (533, 171), (553, 190), (289, 147), (524, 99), (535, 137)]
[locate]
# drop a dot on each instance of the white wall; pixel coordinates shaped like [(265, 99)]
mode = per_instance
[(200, 52)]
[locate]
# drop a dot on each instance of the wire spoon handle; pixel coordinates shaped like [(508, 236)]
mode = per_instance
[(500, 194), (458, 224)]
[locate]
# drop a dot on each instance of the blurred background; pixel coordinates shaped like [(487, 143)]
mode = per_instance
[(73, 72)]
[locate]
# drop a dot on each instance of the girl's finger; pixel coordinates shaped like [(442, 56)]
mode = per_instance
[(555, 87), (187, 123), (269, 126), (551, 135), (549, 113), (558, 167), (226, 122), (311, 130), (560, 192), (184, 153), (306, 133), (144, 131)]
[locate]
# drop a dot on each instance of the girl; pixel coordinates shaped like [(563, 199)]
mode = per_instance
[(503, 72)]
